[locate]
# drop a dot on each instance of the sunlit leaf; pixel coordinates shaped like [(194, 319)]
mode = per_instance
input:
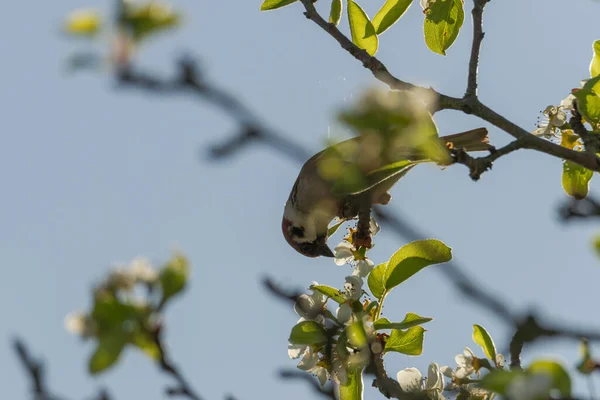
[(443, 21), (576, 179), (335, 14), (83, 23), (173, 276), (413, 257), (560, 377), (332, 230), (308, 332), (595, 64), (149, 18), (274, 4), (409, 321), (144, 342), (588, 101), (352, 389), (483, 339), (357, 336), (331, 292), (107, 353), (363, 32), (376, 280), (498, 380), (390, 12), (409, 342)]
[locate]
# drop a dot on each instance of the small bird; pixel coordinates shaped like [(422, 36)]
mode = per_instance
[(336, 181)]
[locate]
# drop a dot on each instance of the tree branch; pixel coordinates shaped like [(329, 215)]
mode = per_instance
[(478, 34), (35, 372)]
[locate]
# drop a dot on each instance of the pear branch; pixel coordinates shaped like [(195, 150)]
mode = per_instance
[(468, 104), (478, 34)]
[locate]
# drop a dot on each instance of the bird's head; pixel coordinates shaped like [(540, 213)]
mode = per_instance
[(300, 232)]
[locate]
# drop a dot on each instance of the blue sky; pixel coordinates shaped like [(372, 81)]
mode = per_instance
[(92, 174)]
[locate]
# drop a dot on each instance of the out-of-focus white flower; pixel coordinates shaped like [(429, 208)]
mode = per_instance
[(142, 270), (529, 387), (309, 361), (310, 306), (80, 324), (353, 287), (344, 253), (120, 278), (411, 380), (467, 364)]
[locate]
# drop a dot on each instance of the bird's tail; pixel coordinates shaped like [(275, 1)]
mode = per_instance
[(473, 140)]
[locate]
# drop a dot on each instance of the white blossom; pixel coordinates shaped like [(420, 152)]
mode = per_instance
[(353, 287), (499, 360), (343, 253), (411, 380), (344, 313), (465, 363), (363, 268), (142, 270), (310, 306), (80, 324)]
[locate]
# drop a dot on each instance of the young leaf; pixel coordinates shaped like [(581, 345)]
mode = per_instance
[(363, 32), (274, 4), (443, 21), (498, 380), (333, 293), (409, 321), (588, 101), (376, 280), (560, 377), (352, 389), (331, 231), (144, 342), (357, 336), (413, 257), (83, 23), (308, 332), (107, 353), (483, 339), (576, 179), (336, 12), (408, 342), (595, 64), (173, 276), (389, 14)]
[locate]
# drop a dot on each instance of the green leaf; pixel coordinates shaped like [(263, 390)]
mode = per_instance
[(83, 23), (336, 12), (497, 380), (107, 353), (483, 339), (409, 342), (595, 64), (331, 231), (149, 18), (389, 13), (409, 321), (144, 342), (274, 4), (443, 21), (560, 377), (173, 276), (413, 257), (352, 389), (331, 292), (376, 280), (576, 179), (308, 332), (588, 102), (363, 32)]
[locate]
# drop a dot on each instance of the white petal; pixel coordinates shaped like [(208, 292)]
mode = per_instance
[(435, 379), (469, 353), (353, 287), (374, 227), (343, 253), (499, 360), (463, 372), (309, 361), (363, 268), (410, 379), (296, 350), (343, 313), (447, 371), (461, 360), (321, 374)]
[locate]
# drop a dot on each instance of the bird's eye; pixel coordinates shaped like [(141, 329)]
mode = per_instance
[(298, 232)]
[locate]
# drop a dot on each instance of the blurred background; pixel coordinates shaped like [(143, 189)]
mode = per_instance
[(94, 174)]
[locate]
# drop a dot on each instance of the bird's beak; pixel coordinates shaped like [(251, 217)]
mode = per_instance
[(324, 250)]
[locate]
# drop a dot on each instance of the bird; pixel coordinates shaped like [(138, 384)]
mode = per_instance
[(336, 181)]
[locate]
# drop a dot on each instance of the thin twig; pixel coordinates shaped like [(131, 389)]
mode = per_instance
[(478, 35), (35, 372), (183, 388)]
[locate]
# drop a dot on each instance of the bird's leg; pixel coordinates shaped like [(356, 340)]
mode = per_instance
[(362, 236)]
